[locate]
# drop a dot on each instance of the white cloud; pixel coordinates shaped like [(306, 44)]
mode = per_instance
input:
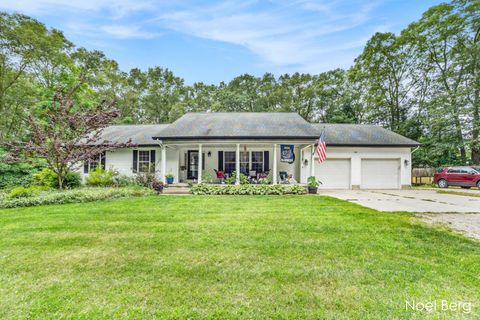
[(297, 33), (128, 32), (307, 35), (118, 8)]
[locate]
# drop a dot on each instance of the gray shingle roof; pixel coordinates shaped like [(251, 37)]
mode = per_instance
[(141, 134), (237, 125), (362, 135), (240, 125)]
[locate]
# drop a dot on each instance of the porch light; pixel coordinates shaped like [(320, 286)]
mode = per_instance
[(406, 162), (209, 154)]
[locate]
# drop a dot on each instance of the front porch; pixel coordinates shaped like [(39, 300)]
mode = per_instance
[(253, 159)]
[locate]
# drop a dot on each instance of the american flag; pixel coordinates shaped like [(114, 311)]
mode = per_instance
[(321, 148)]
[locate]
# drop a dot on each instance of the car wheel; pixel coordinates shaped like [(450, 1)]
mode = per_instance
[(442, 183), (478, 184)]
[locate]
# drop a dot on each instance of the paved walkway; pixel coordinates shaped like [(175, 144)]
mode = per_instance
[(416, 200)]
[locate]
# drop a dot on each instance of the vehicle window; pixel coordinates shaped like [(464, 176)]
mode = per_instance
[(464, 171), (453, 171)]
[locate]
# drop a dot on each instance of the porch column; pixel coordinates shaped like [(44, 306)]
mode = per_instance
[(312, 161), (237, 164), (200, 163), (164, 163), (275, 174)]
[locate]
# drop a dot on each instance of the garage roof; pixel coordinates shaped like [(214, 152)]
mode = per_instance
[(362, 135)]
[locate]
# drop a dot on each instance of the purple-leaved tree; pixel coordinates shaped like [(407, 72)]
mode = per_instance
[(68, 133)]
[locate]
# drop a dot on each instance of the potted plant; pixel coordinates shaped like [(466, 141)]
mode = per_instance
[(169, 178), (312, 185)]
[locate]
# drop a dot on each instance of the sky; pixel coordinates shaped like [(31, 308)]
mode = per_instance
[(213, 41)]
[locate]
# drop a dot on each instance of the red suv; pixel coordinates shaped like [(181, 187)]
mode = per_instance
[(464, 177)]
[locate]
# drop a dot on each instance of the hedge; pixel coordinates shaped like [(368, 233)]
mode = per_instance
[(247, 189), (72, 196)]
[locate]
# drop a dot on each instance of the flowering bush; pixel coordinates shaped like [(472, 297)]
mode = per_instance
[(247, 189)]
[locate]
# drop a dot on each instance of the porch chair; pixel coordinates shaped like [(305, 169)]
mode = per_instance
[(283, 176), (220, 175), (252, 176)]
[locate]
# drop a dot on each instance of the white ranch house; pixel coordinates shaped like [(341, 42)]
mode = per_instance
[(358, 156)]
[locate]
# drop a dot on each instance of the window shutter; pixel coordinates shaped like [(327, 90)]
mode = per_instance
[(85, 166), (135, 161), (203, 161), (152, 160), (102, 160), (266, 161), (220, 160)]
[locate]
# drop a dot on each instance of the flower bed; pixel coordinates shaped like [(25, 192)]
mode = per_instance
[(72, 196), (247, 189)]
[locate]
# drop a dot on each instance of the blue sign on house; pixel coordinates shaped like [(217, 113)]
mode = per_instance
[(286, 153)]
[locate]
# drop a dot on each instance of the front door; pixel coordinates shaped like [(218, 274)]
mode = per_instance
[(192, 169)]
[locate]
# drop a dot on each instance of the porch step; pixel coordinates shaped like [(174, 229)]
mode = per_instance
[(178, 184), (174, 189)]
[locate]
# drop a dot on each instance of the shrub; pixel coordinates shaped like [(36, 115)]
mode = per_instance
[(124, 181), (22, 192), (145, 179), (233, 178), (157, 185), (207, 178), (250, 189), (48, 178), (101, 177), (72, 180), (73, 196), (18, 173)]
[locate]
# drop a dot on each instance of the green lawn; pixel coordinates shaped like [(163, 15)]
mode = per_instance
[(295, 257)]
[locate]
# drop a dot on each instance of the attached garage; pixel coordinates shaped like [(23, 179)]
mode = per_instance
[(380, 174), (333, 173)]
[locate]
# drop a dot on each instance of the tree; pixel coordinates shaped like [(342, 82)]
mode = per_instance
[(30, 56), (387, 69), (68, 133)]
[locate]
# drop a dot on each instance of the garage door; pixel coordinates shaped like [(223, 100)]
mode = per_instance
[(333, 173), (380, 174)]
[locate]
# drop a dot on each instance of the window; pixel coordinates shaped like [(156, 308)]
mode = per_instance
[(229, 161), (244, 162), (248, 161), (454, 170), (257, 161), (144, 161), (91, 164)]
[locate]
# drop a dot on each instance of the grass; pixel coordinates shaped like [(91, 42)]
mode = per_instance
[(460, 193), (252, 257)]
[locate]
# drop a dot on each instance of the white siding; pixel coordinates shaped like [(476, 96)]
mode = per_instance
[(356, 154)]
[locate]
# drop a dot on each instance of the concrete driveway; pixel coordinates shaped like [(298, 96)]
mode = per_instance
[(415, 200)]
